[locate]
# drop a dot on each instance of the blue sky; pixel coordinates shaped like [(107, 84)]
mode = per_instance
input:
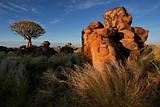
[(63, 20)]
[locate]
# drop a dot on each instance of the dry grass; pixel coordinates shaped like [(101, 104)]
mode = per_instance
[(26, 81), (131, 85), (21, 79), (118, 86)]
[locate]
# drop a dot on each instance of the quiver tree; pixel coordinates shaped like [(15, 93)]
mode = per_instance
[(28, 30)]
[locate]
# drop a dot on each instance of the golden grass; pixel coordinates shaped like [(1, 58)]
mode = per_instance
[(131, 85), (134, 84), (116, 87)]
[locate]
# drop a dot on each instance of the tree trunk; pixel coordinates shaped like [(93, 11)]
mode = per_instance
[(28, 43)]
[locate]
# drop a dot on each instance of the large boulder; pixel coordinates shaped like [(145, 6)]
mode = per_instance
[(115, 16), (98, 47), (114, 41)]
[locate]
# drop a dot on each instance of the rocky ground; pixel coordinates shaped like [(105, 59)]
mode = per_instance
[(44, 49)]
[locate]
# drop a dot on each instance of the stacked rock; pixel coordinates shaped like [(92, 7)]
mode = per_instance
[(45, 44), (104, 43)]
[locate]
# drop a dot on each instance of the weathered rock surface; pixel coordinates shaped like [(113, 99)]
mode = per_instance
[(113, 41), (116, 16), (95, 25)]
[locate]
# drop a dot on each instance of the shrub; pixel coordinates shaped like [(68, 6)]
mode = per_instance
[(55, 92), (13, 89), (66, 60)]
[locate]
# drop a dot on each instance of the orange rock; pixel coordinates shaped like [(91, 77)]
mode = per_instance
[(114, 41), (97, 48), (123, 26), (102, 52), (95, 25), (127, 34), (115, 16), (87, 53), (141, 33), (87, 31), (129, 44)]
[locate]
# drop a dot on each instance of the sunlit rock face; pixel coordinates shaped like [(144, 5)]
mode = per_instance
[(113, 17), (114, 40)]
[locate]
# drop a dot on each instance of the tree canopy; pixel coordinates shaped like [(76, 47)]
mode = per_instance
[(27, 29)]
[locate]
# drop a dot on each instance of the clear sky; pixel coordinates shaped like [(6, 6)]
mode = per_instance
[(63, 20)]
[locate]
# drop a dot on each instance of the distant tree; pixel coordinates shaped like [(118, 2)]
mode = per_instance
[(28, 30)]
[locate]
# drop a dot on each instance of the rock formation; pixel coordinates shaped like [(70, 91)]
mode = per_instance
[(114, 40), (45, 44), (67, 49)]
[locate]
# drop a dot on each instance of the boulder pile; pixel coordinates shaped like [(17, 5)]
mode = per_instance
[(113, 41)]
